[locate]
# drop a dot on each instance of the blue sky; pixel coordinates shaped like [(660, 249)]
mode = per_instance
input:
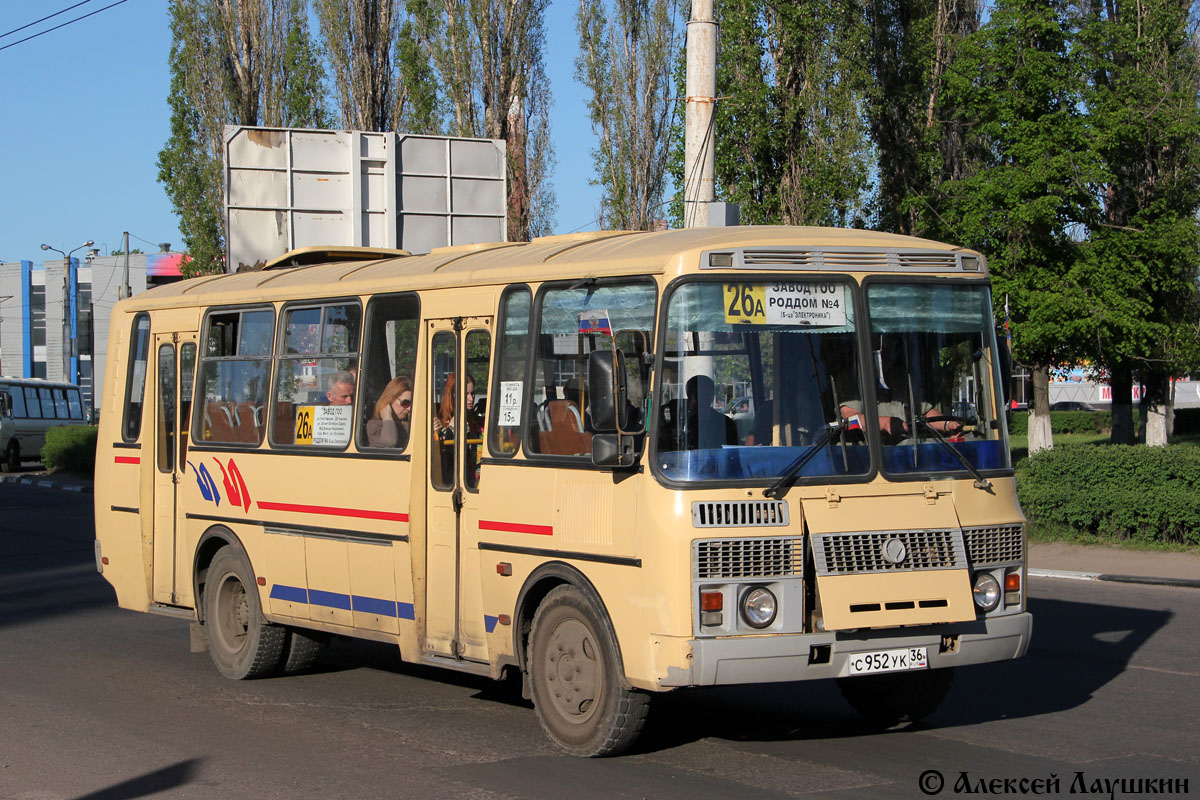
[(85, 115)]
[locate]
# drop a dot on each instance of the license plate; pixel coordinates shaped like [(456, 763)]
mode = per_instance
[(888, 661)]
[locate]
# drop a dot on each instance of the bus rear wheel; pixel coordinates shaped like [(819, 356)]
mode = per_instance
[(241, 642), (897, 697), (12, 458), (577, 691)]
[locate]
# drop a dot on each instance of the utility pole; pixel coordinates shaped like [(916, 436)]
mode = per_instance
[(699, 132), (124, 292)]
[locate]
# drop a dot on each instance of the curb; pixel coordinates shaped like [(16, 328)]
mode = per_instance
[(1148, 580), (46, 483)]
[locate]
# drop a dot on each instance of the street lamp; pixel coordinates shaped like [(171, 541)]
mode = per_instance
[(69, 343)]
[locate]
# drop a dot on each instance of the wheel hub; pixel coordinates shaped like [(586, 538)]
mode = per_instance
[(574, 671)]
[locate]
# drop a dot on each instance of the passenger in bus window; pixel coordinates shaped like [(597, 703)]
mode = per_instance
[(705, 426), (339, 388), (390, 424)]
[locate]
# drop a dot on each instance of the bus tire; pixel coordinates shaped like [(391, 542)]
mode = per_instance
[(300, 650), (12, 457), (241, 642), (577, 691), (897, 697)]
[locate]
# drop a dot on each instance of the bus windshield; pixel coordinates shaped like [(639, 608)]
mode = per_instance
[(757, 374), (935, 375), (754, 375)]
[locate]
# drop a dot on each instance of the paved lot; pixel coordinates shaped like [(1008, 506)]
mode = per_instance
[(97, 702)]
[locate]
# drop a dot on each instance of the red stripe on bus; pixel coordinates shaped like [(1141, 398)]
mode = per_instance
[(333, 511), (515, 527), (127, 459)]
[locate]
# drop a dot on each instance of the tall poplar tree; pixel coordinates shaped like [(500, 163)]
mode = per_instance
[(487, 58), (791, 140), (240, 62), (1018, 86), (921, 140), (1144, 248), (627, 51)]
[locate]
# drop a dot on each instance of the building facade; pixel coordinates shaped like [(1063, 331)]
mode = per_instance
[(54, 316)]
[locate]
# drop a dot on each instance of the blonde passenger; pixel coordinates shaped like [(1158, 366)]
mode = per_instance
[(390, 424)]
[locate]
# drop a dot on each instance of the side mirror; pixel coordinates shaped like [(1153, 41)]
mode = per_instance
[(613, 450), (607, 392), (1006, 367)]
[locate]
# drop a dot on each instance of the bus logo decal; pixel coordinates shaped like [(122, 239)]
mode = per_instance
[(237, 492), (208, 487)]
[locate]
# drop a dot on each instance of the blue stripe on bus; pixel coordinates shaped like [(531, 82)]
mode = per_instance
[(293, 594), (489, 623), (329, 599), (367, 605)]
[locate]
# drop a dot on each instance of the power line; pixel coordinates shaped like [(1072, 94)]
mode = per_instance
[(63, 25), (43, 19)]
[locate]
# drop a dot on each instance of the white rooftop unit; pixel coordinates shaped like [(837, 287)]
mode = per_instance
[(288, 188)]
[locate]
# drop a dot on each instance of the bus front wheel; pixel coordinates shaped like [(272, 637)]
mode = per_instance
[(577, 691), (241, 642), (895, 697), (12, 458)]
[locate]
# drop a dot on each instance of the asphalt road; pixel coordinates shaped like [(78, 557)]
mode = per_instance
[(105, 704)]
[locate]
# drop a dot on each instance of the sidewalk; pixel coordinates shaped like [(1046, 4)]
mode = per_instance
[(1056, 560), (1087, 562), (59, 480)]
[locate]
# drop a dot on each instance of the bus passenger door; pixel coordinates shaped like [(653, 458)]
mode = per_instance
[(174, 365), (460, 351)]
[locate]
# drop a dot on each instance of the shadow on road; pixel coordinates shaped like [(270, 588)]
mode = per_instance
[(1077, 648), (160, 780), (47, 556)]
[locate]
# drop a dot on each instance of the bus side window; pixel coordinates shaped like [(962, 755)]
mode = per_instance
[(388, 364), (512, 356), (33, 407), (234, 374), (318, 373), (135, 382), (18, 402)]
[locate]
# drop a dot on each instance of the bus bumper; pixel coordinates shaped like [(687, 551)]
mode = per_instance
[(800, 657)]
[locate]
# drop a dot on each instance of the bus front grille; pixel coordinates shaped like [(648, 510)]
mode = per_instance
[(740, 559), (995, 544), (740, 514), (887, 551)]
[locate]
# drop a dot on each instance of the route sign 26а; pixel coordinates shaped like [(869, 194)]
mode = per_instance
[(785, 303)]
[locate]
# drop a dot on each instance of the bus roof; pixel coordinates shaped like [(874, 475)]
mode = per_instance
[(345, 271)]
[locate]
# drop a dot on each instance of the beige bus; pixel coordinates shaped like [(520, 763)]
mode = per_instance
[(526, 457)]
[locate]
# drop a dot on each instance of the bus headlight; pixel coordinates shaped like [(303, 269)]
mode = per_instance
[(759, 607), (987, 591)]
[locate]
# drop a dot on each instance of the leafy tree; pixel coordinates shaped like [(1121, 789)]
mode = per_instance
[(1016, 83), (488, 57), (625, 60), (792, 145), (920, 139), (1144, 248), (229, 64)]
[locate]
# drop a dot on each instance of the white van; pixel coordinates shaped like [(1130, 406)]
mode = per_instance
[(28, 408)]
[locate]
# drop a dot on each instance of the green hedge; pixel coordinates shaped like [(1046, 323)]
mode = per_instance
[(71, 448), (1083, 421), (1146, 494)]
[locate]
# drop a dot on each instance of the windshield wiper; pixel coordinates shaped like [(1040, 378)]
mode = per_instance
[(792, 470), (980, 481)]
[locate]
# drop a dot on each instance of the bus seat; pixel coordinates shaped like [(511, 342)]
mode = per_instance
[(565, 435), (285, 422), (219, 420), (247, 417)]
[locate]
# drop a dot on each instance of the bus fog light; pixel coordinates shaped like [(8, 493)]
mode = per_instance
[(711, 619), (759, 607), (987, 591)]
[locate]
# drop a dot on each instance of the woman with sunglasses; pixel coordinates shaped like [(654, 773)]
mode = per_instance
[(389, 425)]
